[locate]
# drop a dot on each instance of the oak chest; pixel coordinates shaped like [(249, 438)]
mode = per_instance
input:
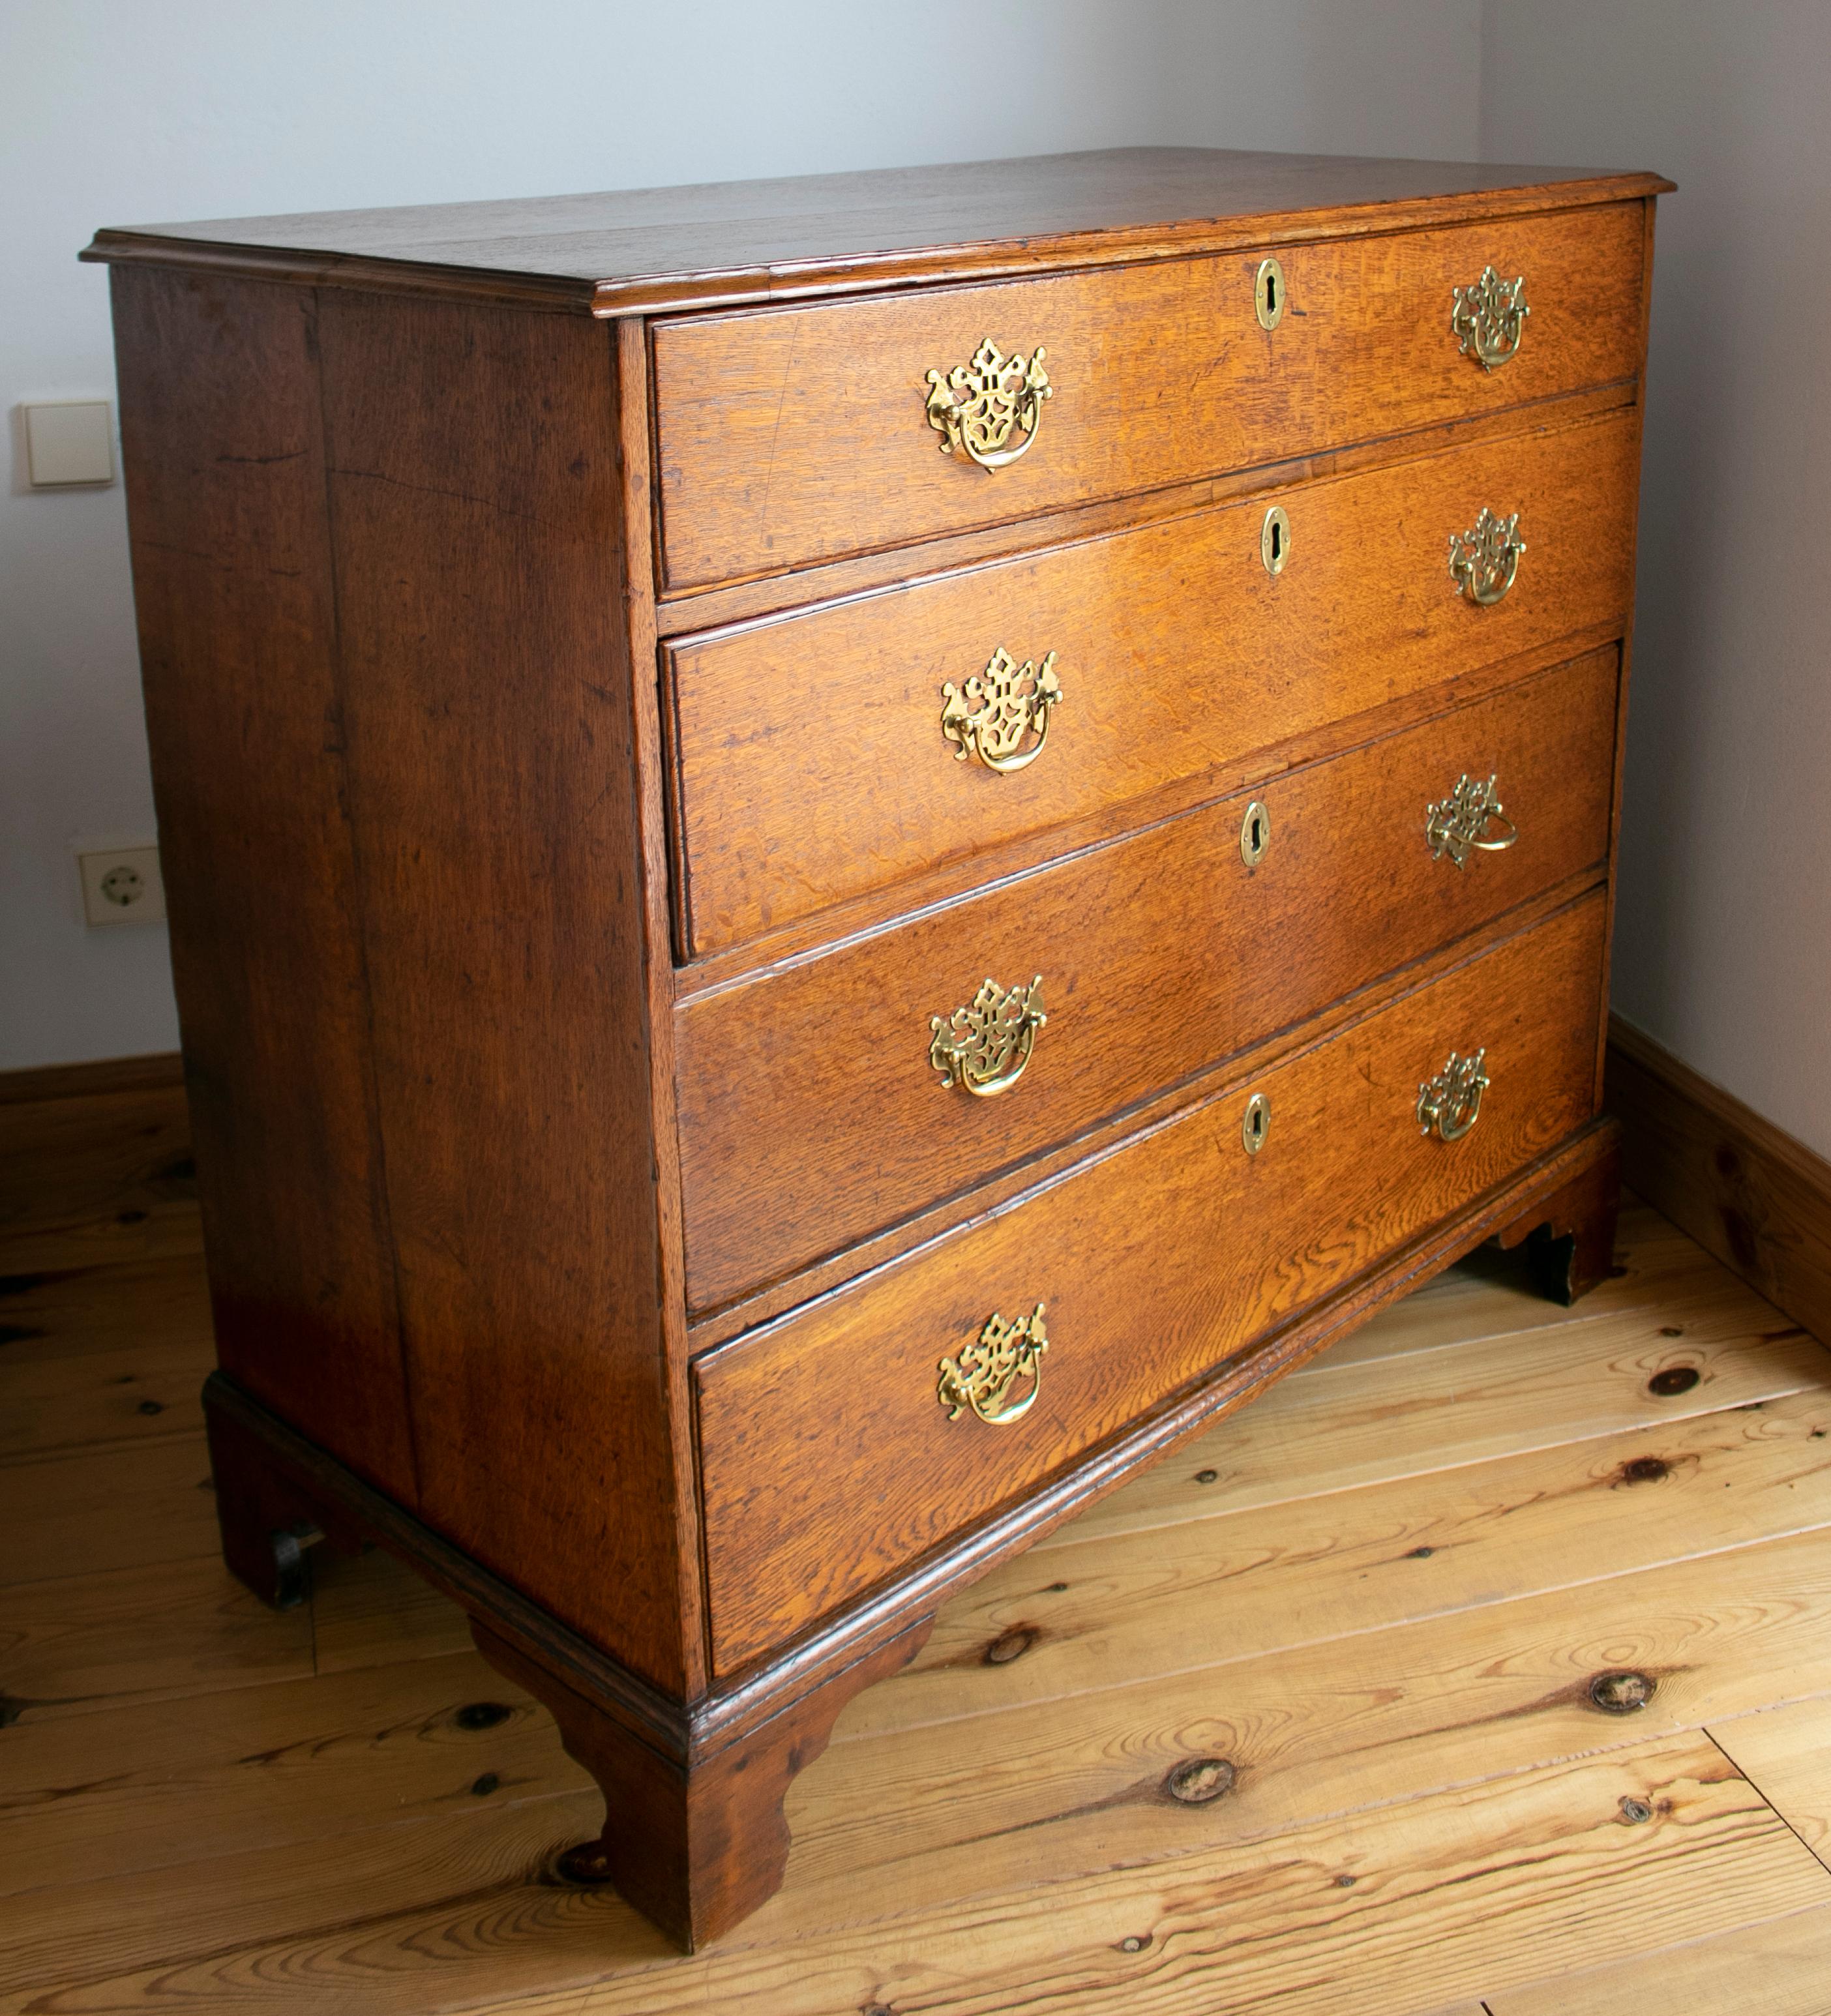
[(844, 853)]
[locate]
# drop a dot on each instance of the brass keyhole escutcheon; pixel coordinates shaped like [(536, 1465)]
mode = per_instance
[(1274, 540), (1255, 834), (1257, 1123), (1268, 294)]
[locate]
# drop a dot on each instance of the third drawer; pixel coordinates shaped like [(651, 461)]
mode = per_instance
[(811, 1115)]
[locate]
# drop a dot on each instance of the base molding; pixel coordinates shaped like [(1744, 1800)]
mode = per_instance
[(1745, 1190)]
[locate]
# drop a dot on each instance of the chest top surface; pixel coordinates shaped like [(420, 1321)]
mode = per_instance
[(649, 250)]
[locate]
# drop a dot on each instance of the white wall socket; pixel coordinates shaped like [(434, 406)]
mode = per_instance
[(122, 885)]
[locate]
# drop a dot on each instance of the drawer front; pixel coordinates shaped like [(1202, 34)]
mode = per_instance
[(810, 1114), (814, 761), (790, 436), (828, 1459)]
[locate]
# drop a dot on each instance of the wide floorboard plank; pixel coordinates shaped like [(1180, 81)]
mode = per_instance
[(1072, 1614), (1083, 1784), (152, 1919), (1779, 1966), (1491, 1292), (1498, 1394), (137, 1508), (154, 1783), (1394, 1909), (1786, 1752), (85, 1645), (102, 1177)]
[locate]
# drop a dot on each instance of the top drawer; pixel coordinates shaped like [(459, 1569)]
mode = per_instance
[(791, 436)]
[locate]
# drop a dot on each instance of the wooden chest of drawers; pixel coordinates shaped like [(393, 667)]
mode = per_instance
[(843, 853)]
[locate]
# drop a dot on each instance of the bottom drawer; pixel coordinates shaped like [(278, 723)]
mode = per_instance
[(834, 1448)]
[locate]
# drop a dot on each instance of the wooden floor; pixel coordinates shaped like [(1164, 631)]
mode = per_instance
[(1371, 1618)]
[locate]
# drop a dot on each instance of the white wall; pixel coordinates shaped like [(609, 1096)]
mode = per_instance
[(120, 112), (1723, 929)]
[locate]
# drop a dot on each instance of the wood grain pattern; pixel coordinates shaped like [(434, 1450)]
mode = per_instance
[(98, 1930), (1383, 1711), (222, 445), (296, 1760), (1786, 1752), (1460, 1739), (492, 784), (1394, 1553), (1776, 1967), (832, 581), (156, 1070), (1363, 1421), (74, 1374), (67, 1202), (359, 447), (1474, 1366), (1744, 1189), (787, 437), (83, 1642), (811, 766), (107, 1508), (1136, 1232), (634, 249), (1482, 1881), (1161, 956)]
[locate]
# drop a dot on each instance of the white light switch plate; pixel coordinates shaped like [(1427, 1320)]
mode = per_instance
[(122, 885), (70, 441)]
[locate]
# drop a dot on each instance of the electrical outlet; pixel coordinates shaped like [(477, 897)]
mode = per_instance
[(122, 885)]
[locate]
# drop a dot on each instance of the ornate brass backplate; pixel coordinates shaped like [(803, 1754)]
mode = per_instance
[(977, 407), (1460, 824), (1451, 1101), (984, 1046), (1484, 559), (1268, 294), (983, 1374), (1489, 318), (1000, 709)]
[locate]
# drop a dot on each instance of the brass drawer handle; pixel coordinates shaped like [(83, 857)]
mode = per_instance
[(1484, 559), (1459, 825), (1489, 319), (976, 407), (1451, 1101), (983, 1374), (984, 1046), (998, 708)]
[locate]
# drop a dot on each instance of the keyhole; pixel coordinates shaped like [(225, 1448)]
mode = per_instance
[(1255, 834), (1269, 291), (1274, 540), (1257, 1123)]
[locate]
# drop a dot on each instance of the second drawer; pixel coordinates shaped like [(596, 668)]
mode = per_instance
[(815, 1108), (819, 757)]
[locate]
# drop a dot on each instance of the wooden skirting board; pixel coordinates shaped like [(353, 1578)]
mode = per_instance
[(1744, 1189), (147, 1073)]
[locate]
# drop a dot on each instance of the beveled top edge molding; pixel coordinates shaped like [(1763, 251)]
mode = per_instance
[(739, 245)]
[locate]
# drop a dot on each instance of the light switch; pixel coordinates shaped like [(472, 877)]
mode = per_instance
[(70, 441)]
